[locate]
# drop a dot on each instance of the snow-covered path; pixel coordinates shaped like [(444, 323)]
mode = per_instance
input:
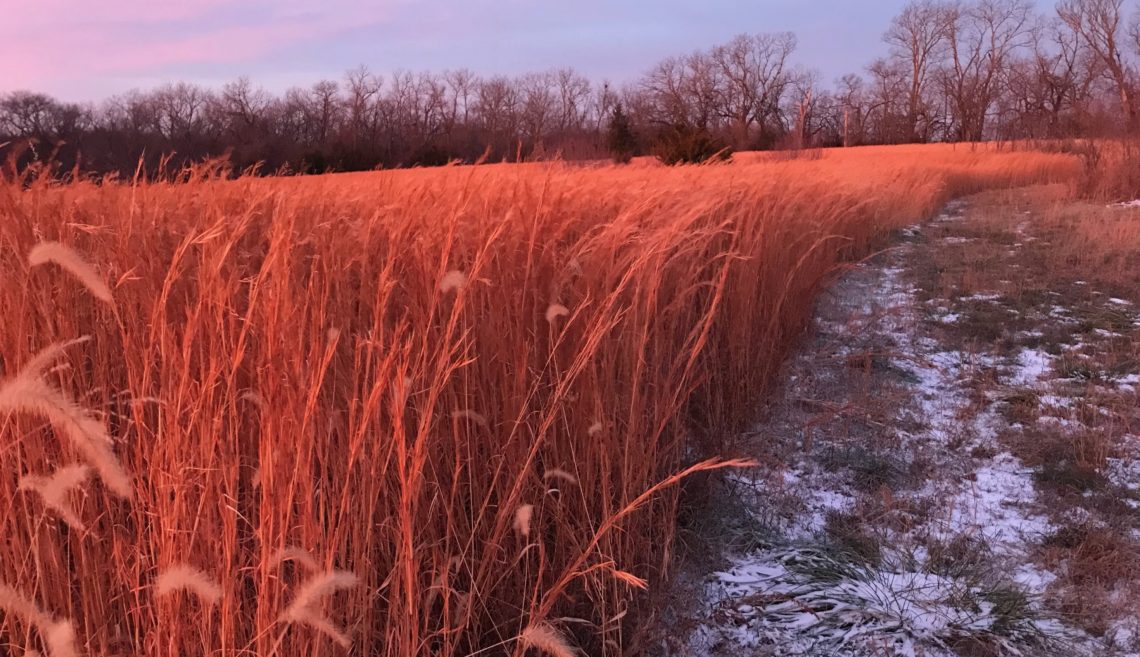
[(891, 515)]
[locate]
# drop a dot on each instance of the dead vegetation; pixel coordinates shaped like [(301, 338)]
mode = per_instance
[(400, 372)]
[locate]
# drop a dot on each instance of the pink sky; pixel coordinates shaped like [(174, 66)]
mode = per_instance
[(87, 50), (57, 45)]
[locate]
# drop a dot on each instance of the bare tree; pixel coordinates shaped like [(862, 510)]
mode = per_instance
[(27, 114), (665, 90), (1097, 23), (754, 75), (538, 100), (981, 40), (496, 112), (916, 37), (854, 106), (363, 95), (573, 99), (1046, 90), (887, 109)]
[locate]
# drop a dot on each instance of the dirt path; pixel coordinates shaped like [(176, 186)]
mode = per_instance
[(949, 469)]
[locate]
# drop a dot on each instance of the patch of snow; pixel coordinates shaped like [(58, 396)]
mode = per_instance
[(982, 296), (1128, 382), (997, 504), (1032, 365), (1059, 422), (1123, 472), (1055, 401)]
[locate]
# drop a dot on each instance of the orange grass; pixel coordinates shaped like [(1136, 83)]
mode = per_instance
[(384, 368)]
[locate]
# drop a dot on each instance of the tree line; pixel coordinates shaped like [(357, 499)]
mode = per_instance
[(953, 71)]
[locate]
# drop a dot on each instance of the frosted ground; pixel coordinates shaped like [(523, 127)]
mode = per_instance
[(894, 513)]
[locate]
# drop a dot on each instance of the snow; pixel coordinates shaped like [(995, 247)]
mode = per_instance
[(996, 505), (1032, 366), (982, 296)]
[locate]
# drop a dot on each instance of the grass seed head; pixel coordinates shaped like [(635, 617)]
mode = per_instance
[(187, 578), (305, 608), (468, 414), (523, 516), (72, 263), (559, 474), (58, 635), (554, 311), (33, 396), (546, 639), (452, 280), (300, 556), (54, 490)]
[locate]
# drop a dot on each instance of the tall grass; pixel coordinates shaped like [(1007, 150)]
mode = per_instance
[(472, 390)]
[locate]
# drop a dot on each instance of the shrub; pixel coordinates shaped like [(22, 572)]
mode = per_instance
[(682, 144)]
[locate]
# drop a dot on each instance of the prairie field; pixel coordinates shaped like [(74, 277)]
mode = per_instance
[(446, 411)]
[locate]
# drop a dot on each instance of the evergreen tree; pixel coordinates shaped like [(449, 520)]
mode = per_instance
[(620, 138)]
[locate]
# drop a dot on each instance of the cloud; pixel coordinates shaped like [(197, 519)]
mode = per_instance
[(46, 41)]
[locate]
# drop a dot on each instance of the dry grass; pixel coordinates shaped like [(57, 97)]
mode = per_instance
[(383, 366)]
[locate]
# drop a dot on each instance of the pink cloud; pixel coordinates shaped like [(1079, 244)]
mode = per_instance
[(45, 41), (48, 14)]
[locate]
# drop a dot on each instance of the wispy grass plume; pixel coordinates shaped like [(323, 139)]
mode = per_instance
[(559, 474), (54, 490), (452, 280), (72, 263), (523, 516), (306, 606), (468, 414), (546, 639), (58, 635), (297, 555), (188, 578), (27, 392), (556, 310)]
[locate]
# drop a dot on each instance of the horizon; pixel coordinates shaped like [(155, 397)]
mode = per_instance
[(99, 52)]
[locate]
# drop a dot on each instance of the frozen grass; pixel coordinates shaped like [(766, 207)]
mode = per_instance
[(815, 601)]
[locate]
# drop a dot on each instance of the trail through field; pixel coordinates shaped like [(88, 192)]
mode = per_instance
[(952, 439)]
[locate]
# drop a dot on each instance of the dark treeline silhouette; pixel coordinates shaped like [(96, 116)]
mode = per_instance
[(954, 71)]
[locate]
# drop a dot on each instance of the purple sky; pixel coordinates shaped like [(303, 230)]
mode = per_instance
[(88, 49)]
